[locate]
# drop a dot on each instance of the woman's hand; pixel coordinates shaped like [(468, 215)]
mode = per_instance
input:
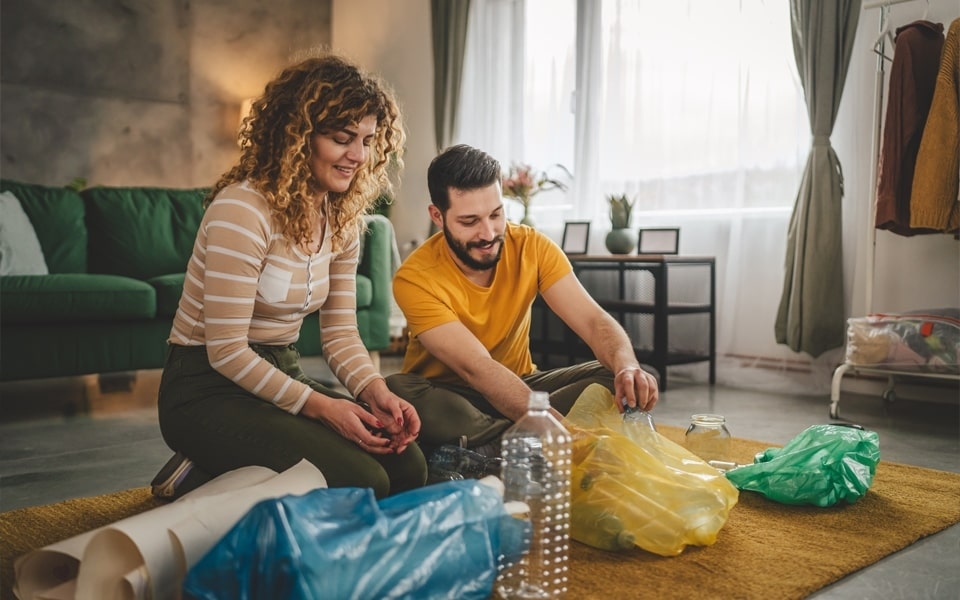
[(398, 418), (350, 420)]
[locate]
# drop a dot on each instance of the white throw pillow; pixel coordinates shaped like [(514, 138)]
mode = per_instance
[(20, 252)]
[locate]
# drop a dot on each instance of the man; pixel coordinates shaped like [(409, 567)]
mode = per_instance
[(466, 294)]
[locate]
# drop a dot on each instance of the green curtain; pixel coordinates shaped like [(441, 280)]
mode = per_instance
[(449, 19), (811, 315)]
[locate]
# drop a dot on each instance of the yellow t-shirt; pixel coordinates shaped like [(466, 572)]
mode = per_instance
[(431, 290)]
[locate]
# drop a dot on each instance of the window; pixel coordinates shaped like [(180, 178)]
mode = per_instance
[(687, 105)]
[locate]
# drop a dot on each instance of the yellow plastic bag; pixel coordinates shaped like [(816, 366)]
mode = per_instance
[(633, 487)]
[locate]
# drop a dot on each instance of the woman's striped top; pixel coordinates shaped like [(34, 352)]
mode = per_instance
[(247, 284)]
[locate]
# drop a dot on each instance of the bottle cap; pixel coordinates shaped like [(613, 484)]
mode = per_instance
[(539, 401)]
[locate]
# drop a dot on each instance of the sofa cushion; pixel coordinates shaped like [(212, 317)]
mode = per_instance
[(168, 288), (57, 215), (73, 297), (364, 291), (20, 251), (142, 232)]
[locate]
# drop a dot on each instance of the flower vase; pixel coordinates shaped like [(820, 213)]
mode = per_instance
[(620, 241), (527, 219)]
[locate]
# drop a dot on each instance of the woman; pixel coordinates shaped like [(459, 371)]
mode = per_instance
[(279, 239)]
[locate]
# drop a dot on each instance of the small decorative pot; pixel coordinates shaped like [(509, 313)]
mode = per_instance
[(621, 241)]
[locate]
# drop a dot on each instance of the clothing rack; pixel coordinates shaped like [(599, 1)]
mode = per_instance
[(879, 80), (888, 394)]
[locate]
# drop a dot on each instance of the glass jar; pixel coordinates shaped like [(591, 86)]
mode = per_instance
[(708, 438)]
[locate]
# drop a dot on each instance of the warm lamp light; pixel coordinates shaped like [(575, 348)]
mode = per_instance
[(245, 105)]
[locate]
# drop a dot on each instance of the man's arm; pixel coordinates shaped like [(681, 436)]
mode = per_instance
[(466, 356), (605, 337)]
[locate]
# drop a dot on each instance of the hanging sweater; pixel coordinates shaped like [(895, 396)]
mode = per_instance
[(913, 76), (247, 284), (935, 198)]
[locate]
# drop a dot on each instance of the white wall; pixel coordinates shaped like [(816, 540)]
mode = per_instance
[(917, 272), (393, 38)]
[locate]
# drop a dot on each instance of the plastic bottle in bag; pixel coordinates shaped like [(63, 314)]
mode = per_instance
[(536, 471), (600, 528), (464, 461)]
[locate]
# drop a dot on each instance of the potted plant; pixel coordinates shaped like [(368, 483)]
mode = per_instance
[(522, 183), (621, 239)]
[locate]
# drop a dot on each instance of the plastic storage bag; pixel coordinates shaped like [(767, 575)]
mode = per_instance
[(633, 487), (925, 341), (439, 541), (822, 466)]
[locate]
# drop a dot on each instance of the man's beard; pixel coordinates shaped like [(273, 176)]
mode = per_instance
[(462, 251)]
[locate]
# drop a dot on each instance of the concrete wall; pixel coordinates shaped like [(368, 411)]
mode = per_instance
[(398, 46), (138, 92)]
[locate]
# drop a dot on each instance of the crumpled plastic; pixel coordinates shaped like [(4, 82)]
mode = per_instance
[(633, 487), (439, 541), (823, 465)]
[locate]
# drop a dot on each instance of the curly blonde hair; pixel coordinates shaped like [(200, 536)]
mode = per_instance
[(318, 95)]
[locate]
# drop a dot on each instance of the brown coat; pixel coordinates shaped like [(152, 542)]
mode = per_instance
[(913, 77), (935, 196)]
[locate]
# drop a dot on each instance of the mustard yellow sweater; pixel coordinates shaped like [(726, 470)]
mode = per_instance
[(935, 195)]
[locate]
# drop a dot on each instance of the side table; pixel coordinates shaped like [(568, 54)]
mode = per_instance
[(549, 336)]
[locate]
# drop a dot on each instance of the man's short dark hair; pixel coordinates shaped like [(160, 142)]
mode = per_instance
[(461, 167)]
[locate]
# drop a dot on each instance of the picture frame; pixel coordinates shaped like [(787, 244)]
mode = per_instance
[(658, 240), (576, 237)]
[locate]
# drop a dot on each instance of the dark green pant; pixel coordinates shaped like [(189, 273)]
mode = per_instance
[(221, 427), (448, 412)]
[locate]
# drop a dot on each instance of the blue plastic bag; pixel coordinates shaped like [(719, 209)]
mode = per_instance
[(822, 466), (440, 541)]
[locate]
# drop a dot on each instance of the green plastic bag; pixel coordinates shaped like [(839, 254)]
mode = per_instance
[(822, 466)]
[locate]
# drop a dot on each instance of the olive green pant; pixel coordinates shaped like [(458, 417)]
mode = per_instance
[(448, 412), (221, 427)]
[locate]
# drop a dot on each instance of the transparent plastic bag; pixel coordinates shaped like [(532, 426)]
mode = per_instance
[(926, 340), (822, 466), (633, 487), (439, 541)]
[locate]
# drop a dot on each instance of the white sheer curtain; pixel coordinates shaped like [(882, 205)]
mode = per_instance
[(492, 116), (692, 107)]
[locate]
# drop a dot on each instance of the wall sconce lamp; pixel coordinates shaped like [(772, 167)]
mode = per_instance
[(245, 105)]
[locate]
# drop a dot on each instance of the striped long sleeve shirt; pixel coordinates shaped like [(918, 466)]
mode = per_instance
[(247, 284)]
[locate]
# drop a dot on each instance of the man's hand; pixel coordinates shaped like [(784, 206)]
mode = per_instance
[(635, 387), (610, 344)]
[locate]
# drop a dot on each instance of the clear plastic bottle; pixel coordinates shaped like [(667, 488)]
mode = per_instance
[(708, 438), (639, 416), (536, 453), (464, 461)]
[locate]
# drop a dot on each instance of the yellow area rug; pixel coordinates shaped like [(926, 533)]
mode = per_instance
[(765, 550)]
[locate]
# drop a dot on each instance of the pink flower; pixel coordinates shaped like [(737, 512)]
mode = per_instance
[(523, 183)]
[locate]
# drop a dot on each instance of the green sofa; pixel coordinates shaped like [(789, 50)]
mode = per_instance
[(116, 259)]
